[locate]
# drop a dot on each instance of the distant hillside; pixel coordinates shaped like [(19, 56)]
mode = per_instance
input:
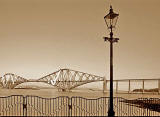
[(146, 90), (33, 85)]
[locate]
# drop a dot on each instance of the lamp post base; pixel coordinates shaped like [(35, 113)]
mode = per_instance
[(111, 113)]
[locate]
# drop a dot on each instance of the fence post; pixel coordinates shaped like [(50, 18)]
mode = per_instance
[(70, 107), (24, 106), (147, 106)]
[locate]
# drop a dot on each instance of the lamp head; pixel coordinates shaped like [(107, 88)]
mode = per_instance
[(111, 18)]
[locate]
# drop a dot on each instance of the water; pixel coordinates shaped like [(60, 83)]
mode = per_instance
[(92, 90)]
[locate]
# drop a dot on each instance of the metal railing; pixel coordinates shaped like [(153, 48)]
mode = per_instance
[(19, 105)]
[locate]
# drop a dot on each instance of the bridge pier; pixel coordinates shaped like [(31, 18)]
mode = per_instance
[(142, 86), (62, 90), (104, 85), (116, 86), (158, 86), (129, 86)]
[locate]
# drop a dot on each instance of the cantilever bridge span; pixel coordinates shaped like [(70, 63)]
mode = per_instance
[(63, 79)]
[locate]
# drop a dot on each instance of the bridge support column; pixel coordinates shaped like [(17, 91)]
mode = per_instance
[(142, 86), (158, 86), (116, 86), (129, 87), (104, 85)]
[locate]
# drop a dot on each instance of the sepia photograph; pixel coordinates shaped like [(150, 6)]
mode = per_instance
[(80, 58)]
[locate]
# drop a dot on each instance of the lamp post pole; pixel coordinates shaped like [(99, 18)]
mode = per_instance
[(111, 20), (111, 110)]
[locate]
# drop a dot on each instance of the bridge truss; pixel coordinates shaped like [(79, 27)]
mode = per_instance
[(63, 79), (10, 80)]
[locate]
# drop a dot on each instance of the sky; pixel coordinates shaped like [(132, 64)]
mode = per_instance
[(38, 37)]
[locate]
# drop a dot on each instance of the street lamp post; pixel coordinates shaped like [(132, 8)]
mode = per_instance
[(111, 20)]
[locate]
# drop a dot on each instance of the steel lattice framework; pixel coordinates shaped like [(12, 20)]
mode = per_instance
[(67, 79), (63, 79), (10, 80)]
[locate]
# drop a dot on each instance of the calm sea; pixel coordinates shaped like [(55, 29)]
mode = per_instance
[(92, 90)]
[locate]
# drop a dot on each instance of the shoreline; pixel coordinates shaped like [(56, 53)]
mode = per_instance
[(79, 92)]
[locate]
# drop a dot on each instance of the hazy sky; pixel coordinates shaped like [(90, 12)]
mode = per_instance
[(37, 37)]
